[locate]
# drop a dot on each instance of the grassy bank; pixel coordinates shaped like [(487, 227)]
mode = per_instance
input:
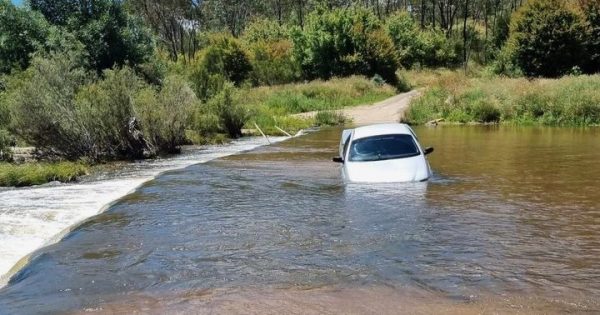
[(458, 98), (40, 173), (273, 105)]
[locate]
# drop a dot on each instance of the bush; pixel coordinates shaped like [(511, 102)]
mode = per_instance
[(547, 38), (58, 113), (342, 42), (415, 47), (164, 114), (223, 60), (273, 63), (330, 118), (223, 113), (6, 141)]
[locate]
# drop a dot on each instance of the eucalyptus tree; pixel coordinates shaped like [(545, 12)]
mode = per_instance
[(176, 22), (110, 35)]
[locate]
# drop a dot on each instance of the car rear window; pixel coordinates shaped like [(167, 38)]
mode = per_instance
[(383, 147)]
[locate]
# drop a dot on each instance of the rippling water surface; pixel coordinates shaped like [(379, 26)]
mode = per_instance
[(510, 222)]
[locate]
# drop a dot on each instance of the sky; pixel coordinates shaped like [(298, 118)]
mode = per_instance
[(17, 2)]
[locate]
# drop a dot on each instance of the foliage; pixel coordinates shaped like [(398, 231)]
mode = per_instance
[(330, 118), (6, 142), (318, 95), (40, 173), (21, 33), (547, 38), (427, 48), (273, 63), (342, 42), (223, 60), (110, 35), (164, 114), (265, 30), (271, 53), (223, 113), (591, 10), (569, 101), (57, 113)]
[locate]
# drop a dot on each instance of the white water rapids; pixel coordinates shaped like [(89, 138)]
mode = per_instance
[(36, 216)]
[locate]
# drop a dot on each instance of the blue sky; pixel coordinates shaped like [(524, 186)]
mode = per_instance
[(17, 2)]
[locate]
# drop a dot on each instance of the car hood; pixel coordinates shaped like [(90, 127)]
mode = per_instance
[(396, 170)]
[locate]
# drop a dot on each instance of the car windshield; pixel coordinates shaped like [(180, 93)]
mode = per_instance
[(384, 147)]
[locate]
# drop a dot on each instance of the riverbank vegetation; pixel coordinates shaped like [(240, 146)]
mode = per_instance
[(104, 80), (459, 98), (40, 173)]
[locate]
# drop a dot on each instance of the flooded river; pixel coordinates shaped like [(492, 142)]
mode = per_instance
[(509, 224)]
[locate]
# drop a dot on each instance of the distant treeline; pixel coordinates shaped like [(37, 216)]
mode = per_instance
[(105, 79)]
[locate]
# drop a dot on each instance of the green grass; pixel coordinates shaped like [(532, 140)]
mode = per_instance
[(568, 101), (30, 174), (330, 118), (273, 105)]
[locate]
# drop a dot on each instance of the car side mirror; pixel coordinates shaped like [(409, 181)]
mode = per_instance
[(428, 151), (338, 159)]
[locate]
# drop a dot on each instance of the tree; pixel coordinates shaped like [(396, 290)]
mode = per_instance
[(21, 33), (547, 38), (591, 9), (343, 42), (110, 35), (176, 22)]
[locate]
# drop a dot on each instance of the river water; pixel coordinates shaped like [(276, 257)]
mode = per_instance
[(509, 224)]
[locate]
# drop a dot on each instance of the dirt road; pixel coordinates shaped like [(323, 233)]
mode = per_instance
[(390, 110)]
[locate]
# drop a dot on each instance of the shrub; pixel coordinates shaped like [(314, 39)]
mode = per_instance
[(109, 126), (415, 47), (330, 118), (6, 141), (342, 42), (273, 63), (434, 49), (404, 33), (164, 114), (225, 112), (223, 60), (547, 38), (57, 112)]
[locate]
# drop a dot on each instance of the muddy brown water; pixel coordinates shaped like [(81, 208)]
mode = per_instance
[(510, 223)]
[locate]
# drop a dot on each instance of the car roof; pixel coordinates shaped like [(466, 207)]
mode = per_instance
[(381, 129)]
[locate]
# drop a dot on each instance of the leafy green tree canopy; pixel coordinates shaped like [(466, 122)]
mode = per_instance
[(110, 35), (547, 38), (21, 33), (343, 42)]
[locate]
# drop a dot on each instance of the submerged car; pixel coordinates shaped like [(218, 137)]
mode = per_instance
[(383, 153)]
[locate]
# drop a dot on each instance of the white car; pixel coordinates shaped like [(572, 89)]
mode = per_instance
[(383, 153)]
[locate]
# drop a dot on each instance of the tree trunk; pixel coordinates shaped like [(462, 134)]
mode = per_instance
[(465, 49)]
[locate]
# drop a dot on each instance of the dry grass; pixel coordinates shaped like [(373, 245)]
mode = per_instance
[(456, 97)]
